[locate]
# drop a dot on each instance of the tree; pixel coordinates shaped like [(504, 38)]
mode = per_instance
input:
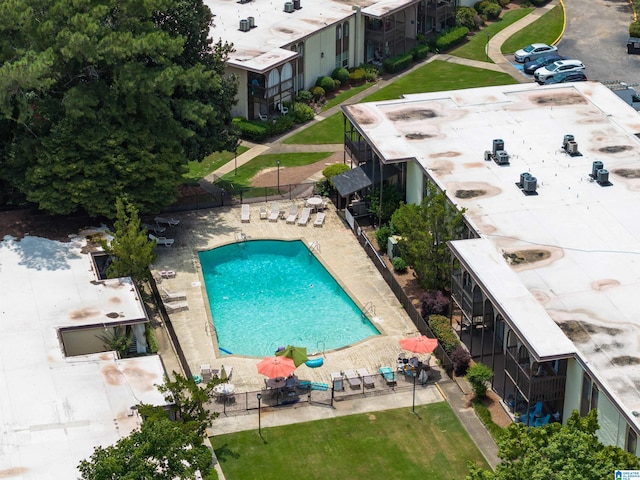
[(158, 450), (187, 401), (101, 99), (560, 452), (478, 376), (130, 249), (425, 230)]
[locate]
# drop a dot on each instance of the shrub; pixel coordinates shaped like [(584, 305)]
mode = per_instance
[(478, 376), (304, 96), (461, 360), (317, 92), (340, 74), (282, 124), (634, 29), (249, 130), (420, 52), (399, 265), (434, 302), (326, 83), (337, 84), (451, 38), (504, 3), (493, 11), (335, 169), (441, 328), (383, 234), (151, 338), (397, 63), (371, 74), (302, 113), (466, 17), (357, 76)]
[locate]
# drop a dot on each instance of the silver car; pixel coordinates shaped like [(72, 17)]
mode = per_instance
[(533, 51), (561, 66)]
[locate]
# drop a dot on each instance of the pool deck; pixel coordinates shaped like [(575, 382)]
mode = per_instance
[(339, 251)]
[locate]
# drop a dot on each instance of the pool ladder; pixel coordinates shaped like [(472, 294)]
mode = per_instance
[(314, 246), (369, 308), (241, 236)]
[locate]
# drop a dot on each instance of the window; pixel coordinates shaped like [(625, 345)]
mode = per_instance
[(632, 440), (342, 45), (589, 400)]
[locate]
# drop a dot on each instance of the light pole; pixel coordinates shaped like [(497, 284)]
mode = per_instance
[(413, 406), (278, 164), (235, 161), (259, 423), (487, 47)]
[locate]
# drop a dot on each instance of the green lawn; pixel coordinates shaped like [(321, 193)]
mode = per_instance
[(247, 171), (199, 170), (345, 95), (329, 130), (476, 47), (392, 444), (438, 76), (546, 29)]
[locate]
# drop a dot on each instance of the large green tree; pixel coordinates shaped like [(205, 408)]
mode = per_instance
[(100, 98), (158, 450), (558, 452), (425, 230)]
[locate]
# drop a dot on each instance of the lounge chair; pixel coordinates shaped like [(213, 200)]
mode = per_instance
[(352, 378), (366, 377), (389, 375), (168, 296), (319, 220), (172, 222), (205, 372), (293, 214), (336, 381), (167, 242), (304, 216), (275, 212), (263, 213), (541, 421), (153, 228), (175, 307), (245, 213)]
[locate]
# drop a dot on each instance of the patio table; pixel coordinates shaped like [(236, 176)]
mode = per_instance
[(276, 382), (314, 202), (224, 389)]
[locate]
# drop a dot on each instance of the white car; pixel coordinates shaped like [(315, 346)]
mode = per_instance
[(561, 66), (533, 51)]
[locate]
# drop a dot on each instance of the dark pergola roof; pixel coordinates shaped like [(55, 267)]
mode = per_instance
[(361, 177)]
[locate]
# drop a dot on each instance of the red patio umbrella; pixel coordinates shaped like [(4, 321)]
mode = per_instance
[(274, 367), (421, 344)]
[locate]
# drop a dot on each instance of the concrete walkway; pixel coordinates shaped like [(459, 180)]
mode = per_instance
[(445, 389)]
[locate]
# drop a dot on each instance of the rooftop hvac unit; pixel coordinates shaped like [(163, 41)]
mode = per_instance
[(244, 25), (252, 22), (288, 7), (567, 139), (602, 176), (597, 165), (530, 184), (487, 155), (498, 144), (502, 157), (523, 177), (572, 147), (296, 4)]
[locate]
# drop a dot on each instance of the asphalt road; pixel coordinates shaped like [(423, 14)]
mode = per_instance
[(596, 33)]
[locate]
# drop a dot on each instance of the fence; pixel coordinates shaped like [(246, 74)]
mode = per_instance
[(402, 297), (318, 394), (228, 195)]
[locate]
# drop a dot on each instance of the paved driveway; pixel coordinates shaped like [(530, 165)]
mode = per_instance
[(597, 32)]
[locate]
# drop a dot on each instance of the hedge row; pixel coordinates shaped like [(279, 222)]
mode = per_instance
[(257, 130), (397, 63), (440, 326), (452, 37)]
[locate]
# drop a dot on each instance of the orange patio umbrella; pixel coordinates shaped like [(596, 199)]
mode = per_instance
[(274, 367), (421, 344)]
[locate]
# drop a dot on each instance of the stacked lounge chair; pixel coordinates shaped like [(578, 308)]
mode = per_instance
[(352, 378), (366, 377)]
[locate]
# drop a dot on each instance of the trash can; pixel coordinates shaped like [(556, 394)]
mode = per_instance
[(633, 45)]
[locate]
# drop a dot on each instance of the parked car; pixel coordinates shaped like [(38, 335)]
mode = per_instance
[(533, 65), (534, 51), (560, 66), (566, 77)]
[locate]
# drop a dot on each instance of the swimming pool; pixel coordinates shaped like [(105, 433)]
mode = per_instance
[(269, 293)]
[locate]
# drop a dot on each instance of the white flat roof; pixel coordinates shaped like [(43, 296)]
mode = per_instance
[(582, 240), (261, 48), (55, 409)]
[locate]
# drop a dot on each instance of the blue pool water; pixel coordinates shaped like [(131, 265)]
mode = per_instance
[(269, 293)]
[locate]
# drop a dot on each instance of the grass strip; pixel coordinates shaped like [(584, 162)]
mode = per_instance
[(546, 29)]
